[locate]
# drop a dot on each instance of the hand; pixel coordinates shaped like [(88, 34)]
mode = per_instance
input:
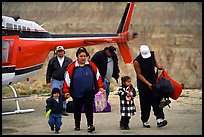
[(67, 95), (150, 86), (102, 90), (49, 85), (128, 88), (160, 67), (128, 95)]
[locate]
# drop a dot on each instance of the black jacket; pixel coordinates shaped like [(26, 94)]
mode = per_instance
[(100, 60), (55, 71), (56, 108)]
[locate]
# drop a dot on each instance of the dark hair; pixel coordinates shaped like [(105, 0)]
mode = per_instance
[(124, 79), (55, 90), (80, 50), (111, 49)]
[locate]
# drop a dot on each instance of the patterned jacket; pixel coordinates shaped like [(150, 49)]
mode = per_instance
[(127, 108)]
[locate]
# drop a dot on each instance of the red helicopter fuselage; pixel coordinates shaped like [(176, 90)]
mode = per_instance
[(26, 45)]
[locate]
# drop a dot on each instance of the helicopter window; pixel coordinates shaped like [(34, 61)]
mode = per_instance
[(15, 27), (28, 29), (19, 27), (24, 28), (5, 50), (9, 26)]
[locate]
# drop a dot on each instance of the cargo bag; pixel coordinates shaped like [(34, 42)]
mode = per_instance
[(177, 87)]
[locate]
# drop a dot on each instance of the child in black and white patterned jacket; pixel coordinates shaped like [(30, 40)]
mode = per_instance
[(127, 106)]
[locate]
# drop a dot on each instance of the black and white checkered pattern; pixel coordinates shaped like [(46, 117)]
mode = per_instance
[(127, 108)]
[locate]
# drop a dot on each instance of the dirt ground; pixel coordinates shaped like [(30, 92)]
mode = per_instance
[(184, 118)]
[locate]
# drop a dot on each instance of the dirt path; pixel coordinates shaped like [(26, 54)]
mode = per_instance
[(184, 118)]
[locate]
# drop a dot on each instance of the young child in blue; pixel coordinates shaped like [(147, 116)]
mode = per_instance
[(127, 106), (55, 103)]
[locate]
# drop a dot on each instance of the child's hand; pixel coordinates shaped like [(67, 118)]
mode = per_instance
[(128, 94), (128, 88)]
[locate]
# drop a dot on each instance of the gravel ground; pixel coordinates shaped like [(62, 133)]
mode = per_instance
[(184, 118)]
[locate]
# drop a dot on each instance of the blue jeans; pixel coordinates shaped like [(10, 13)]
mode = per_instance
[(59, 84), (55, 120), (107, 87)]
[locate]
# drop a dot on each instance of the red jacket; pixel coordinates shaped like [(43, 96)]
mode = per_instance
[(69, 74)]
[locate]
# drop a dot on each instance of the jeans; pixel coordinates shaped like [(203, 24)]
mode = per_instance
[(55, 120), (59, 84), (107, 87)]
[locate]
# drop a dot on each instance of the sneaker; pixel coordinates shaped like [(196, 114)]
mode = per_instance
[(162, 123), (91, 128), (146, 124), (64, 113), (52, 128), (57, 131), (77, 128)]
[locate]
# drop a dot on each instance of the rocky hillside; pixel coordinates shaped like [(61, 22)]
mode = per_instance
[(172, 30)]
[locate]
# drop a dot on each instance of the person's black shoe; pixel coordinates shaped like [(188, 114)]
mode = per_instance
[(146, 124), (77, 128), (127, 128), (161, 124), (52, 128), (91, 128), (122, 127), (64, 113), (57, 132)]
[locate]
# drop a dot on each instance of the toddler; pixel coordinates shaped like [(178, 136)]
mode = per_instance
[(127, 107), (54, 109)]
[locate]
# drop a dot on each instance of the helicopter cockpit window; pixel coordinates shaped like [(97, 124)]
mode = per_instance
[(7, 47), (5, 50)]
